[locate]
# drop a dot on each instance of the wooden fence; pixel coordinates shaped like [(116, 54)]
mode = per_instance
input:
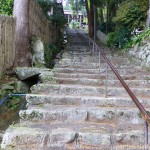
[(39, 27), (7, 42)]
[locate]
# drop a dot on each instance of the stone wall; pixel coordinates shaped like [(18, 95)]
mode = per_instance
[(141, 53), (102, 37), (39, 26)]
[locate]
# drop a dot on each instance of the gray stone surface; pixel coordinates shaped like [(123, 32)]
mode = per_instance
[(38, 53), (16, 136), (69, 110), (141, 53), (28, 72), (62, 135), (22, 87)]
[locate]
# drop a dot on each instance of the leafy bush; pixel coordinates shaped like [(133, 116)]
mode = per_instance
[(56, 18), (60, 20), (49, 54), (74, 24), (119, 38), (141, 36), (45, 5), (6, 7), (132, 14), (111, 27)]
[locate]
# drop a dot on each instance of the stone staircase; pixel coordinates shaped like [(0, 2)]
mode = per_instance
[(68, 109)]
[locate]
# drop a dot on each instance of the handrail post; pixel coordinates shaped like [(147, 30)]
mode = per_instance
[(145, 135), (93, 52), (106, 82), (99, 62), (131, 94)]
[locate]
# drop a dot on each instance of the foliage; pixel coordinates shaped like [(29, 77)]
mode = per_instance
[(74, 24), (110, 27), (132, 14), (60, 20), (119, 38), (76, 6), (49, 54), (45, 5), (57, 18), (6, 7), (145, 34)]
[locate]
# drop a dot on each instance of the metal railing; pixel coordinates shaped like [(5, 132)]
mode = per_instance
[(8, 96), (144, 113)]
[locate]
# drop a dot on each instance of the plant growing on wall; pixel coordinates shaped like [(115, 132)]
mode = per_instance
[(6, 7), (56, 17)]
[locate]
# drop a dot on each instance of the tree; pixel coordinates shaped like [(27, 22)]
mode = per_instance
[(132, 14), (89, 4), (23, 51), (6, 7)]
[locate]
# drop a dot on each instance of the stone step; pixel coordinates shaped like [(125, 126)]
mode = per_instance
[(36, 99), (88, 54), (94, 82), (127, 71), (137, 76), (77, 137), (90, 59), (80, 114), (91, 65), (86, 90), (67, 114)]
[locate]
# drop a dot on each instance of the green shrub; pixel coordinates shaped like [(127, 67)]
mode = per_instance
[(74, 24), (49, 54), (145, 34), (6, 7), (132, 14), (119, 38)]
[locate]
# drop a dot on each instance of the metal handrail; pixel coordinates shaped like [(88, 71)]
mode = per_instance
[(9, 95), (131, 94)]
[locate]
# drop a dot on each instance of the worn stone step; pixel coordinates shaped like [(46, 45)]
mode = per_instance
[(77, 137), (68, 114), (60, 138), (36, 99), (96, 71), (80, 114), (137, 76), (86, 90), (94, 82), (91, 60), (91, 65)]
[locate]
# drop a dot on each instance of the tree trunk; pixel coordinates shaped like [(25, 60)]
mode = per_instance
[(107, 19), (88, 13), (23, 51), (91, 18), (101, 16), (148, 17)]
